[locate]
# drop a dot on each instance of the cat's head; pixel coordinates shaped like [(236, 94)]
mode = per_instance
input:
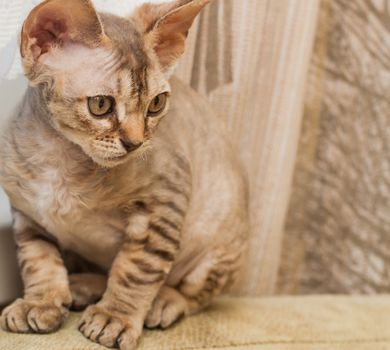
[(105, 78)]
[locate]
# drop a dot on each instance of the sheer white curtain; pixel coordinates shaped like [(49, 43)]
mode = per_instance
[(12, 14)]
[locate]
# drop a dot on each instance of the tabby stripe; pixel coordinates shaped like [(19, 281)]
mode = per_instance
[(170, 224), (140, 83), (7, 324), (163, 254), (136, 280), (35, 295), (112, 63), (156, 200), (31, 286), (44, 238), (130, 280), (164, 234), (123, 282), (31, 269), (173, 206), (146, 267), (122, 302), (141, 241), (121, 310), (182, 163), (22, 264), (172, 187), (41, 283)]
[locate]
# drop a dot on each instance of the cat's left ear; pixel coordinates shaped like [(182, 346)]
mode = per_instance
[(167, 25)]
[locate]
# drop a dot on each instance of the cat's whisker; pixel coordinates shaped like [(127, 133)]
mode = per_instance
[(146, 147)]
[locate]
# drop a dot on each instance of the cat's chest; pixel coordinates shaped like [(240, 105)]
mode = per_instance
[(57, 197), (73, 210)]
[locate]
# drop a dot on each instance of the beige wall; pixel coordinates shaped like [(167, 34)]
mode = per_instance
[(10, 93)]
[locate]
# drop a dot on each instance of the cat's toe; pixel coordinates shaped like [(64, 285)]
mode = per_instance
[(45, 318), (100, 325), (169, 307), (13, 318), (32, 317)]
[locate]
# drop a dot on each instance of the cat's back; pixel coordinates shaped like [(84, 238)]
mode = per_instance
[(219, 181), (192, 118), (196, 129)]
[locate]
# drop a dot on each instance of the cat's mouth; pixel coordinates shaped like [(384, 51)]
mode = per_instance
[(117, 158), (113, 161), (110, 161)]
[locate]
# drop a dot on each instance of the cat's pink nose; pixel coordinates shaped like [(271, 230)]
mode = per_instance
[(130, 146)]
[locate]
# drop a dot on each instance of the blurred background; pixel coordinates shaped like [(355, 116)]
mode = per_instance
[(338, 222), (304, 88)]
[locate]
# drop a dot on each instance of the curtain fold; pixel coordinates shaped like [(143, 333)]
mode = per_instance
[(250, 58), (339, 217)]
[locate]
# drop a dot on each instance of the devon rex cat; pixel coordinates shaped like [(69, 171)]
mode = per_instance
[(115, 161)]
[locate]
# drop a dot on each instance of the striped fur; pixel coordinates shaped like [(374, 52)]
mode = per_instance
[(161, 230)]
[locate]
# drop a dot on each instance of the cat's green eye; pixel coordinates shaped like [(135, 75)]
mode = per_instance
[(157, 105), (100, 106)]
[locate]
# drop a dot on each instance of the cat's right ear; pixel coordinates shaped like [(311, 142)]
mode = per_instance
[(56, 24)]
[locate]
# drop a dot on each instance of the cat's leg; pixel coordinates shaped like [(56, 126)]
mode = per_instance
[(117, 320), (86, 289), (195, 292), (46, 289), (136, 276)]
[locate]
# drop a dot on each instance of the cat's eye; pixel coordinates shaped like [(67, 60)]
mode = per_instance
[(101, 106), (157, 105)]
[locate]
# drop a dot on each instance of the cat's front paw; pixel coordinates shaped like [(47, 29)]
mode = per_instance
[(168, 307), (111, 329), (24, 316)]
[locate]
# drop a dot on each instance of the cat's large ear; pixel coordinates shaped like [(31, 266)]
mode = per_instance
[(168, 25), (55, 23)]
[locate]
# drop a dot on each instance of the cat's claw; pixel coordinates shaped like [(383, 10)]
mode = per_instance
[(109, 329), (25, 316)]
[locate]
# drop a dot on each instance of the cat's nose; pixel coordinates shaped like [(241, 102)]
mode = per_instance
[(130, 146)]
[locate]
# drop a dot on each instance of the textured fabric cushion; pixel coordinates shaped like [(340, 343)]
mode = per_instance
[(301, 323)]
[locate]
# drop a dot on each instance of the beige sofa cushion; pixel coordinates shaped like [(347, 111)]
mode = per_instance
[(297, 323)]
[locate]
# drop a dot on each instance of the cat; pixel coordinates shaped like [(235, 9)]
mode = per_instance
[(114, 162)]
